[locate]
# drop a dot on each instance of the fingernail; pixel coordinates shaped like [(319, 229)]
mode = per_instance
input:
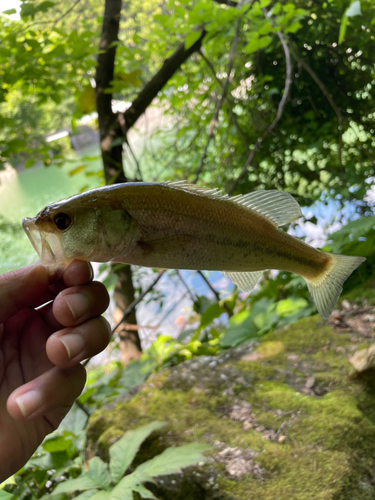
[(29, 402), (78, 303), (91, 271), (73, 344)]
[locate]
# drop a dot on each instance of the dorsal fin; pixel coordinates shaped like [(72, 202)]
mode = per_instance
[(199, 189), (278, 206)]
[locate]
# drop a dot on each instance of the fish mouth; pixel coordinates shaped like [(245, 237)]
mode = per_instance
[(46, 245)]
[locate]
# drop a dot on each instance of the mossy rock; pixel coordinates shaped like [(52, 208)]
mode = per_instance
[(285, 418)]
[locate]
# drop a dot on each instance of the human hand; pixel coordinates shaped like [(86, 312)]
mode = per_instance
[(40, 352)]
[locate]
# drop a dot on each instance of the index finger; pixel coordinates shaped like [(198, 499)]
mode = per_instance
[(78, 272), (22, 288)]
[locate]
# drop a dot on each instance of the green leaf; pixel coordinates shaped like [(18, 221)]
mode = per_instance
[(354, 9), (257, 44), (4, 495), (16, 145), (98, 471), (123, 452), (86, 100), (212, 312), (29, 163), (97, 477), (135, 373), (124, 489), (47, 461), (238, 334), (9, 481), (202, 303), (144, 492), (100, 495), (75, 421), (288, 307), (9, 12), (80, 483), (265, 28), (191, 39), (172, 460), (344, 22), (110, 281), (239, 318), (129, 78), (59, 443), (42, 7), (85, 495), (293, 28), (77, 170)]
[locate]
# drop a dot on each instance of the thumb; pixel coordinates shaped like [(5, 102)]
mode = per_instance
[(22, 288)]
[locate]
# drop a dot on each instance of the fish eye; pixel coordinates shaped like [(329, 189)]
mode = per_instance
[(62, 221)]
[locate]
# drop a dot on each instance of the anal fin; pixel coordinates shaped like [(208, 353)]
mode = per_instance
[(244, 281)]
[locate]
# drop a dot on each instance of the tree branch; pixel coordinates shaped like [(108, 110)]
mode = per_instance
[(155, 85), (230, 3), (221, 99), (280, 110), (190, 293), (326, 93), (121, 122), (170, 311), (217, 295), (49, 21), (243, 135), (135, 302), (72, 7)]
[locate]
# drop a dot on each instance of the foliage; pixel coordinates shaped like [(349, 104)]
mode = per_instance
[(323, 144), (61, 456), (48, 68), (109, 480), (307, 153), (356, 238), (8, 231)]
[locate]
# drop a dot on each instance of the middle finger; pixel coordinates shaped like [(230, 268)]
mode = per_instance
[(77, 304)]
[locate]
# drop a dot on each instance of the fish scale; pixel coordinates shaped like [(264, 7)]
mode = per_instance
[(175, 225)]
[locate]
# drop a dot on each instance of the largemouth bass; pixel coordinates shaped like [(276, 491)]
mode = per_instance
[(175, 225)]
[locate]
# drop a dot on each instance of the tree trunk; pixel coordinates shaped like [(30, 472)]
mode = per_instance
[(109, 128), (130, 344), (109, 131)]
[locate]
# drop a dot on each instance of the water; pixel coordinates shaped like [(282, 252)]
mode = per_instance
[(24, 193)]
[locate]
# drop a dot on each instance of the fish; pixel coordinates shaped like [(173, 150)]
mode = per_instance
[(176, 225)]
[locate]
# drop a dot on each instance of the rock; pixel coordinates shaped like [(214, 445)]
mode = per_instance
[(281, 430), (364, 359)]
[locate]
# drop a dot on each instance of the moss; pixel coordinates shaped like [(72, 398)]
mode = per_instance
[(293, 474), (270, 349), (261, 371), (329, 452)]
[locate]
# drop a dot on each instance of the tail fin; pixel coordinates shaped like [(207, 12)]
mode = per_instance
[(326, 291)]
